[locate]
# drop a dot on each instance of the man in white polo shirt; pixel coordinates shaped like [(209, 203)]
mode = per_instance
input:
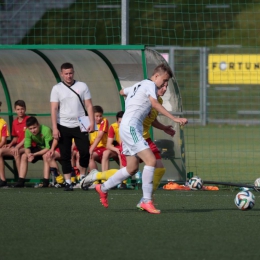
[(66, 107)]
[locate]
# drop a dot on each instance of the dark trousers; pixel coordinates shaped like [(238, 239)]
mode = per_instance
[(65, 142)]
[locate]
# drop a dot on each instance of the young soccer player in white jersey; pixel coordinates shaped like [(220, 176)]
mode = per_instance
[(140, 99)]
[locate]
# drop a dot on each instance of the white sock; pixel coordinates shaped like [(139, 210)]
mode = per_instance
[(68, 181), (147, 180), (114, 180)]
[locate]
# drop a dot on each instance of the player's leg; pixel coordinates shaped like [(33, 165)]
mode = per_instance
[(17, 157), (159, 168), (46, 167), (22, 171), (95, 175), (82, 143), (114, 180), (54, 168), (107, 154), (105, 160), (149, 160), (64, 144), (46, 172), (81, 170), (92, 161), (124, 173), (3, 152), (23, 166), (73, 158), (158, 174)]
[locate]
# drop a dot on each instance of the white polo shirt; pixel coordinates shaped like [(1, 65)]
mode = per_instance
[(70, 107)]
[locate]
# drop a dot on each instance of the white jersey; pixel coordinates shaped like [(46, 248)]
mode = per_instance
[(137, 103), (70, 107)]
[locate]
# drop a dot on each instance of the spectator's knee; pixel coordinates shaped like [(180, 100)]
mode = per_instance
[(24, 157)]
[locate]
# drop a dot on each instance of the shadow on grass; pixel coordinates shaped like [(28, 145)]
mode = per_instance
[(204, 210)]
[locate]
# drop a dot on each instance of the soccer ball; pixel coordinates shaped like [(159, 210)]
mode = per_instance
[(245, 200), (257, 182), (195, 183)]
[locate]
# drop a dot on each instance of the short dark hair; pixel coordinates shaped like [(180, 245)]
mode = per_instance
[(163, 68), (119, 114), (98, 109), (32, 120), (19, 103), (66, 66)]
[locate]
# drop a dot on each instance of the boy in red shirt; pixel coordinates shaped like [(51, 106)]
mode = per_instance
[(15, 147)]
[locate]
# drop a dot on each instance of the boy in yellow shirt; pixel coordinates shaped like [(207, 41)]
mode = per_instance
[(113, 143), (98, 139), (3, 130)]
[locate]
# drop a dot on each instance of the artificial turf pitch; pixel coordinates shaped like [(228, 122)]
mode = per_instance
[(53, 224)]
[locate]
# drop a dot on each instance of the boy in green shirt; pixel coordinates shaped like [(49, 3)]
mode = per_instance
[(37, 142)]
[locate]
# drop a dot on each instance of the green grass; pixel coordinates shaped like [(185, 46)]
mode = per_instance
[(223, 153), (53, 224)]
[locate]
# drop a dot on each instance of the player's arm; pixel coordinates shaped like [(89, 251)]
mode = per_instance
[(121, 92), (53, 147), (12, 143), (3, 141), (19, 145), (156, 105), (89, 107), (110, 145), (4, 134), (27, 145), (54, 111), (124, 92), (41, 152), (96, 141), (166, 128), (47, 140)]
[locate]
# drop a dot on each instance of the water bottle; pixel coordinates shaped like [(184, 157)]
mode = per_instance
[(138, 179), (53, 173)]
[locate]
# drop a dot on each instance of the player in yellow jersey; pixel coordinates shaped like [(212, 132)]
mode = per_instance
[(3, 130), (98, 139), (113, 143)]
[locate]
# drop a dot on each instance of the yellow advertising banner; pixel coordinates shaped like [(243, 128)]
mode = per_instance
[(233, 69)]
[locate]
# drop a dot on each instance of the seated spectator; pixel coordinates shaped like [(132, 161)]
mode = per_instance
[(51, 158), (98, 139), (41, 135), (15, 147), (3, 130), (113, 143)]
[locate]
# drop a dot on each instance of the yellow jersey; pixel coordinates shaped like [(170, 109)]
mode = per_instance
[(149, 119), (3, 129), (103, 126), (113, 132)]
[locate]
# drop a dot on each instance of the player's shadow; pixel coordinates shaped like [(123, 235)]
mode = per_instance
[(203, 210), (185, 210)]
